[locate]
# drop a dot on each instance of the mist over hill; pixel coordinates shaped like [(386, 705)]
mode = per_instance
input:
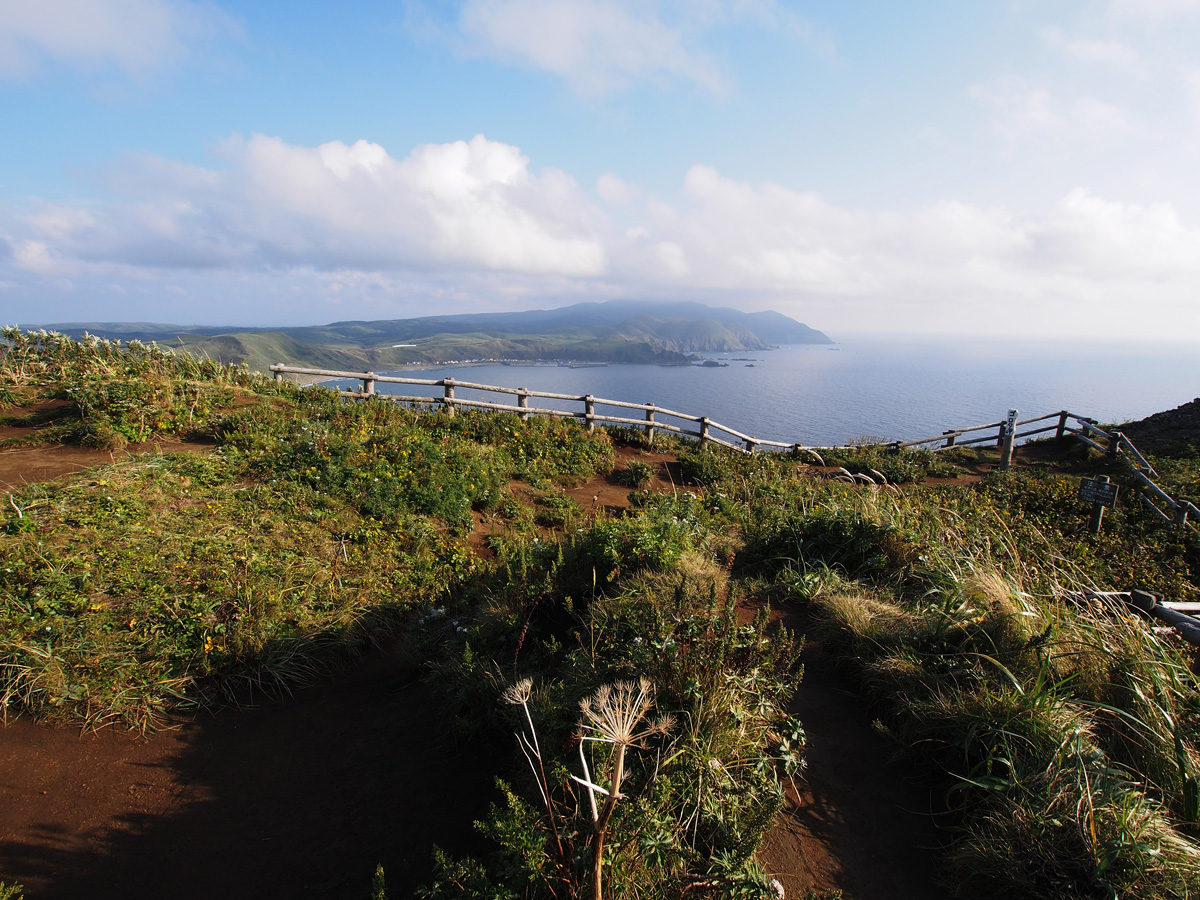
[(617, 331)]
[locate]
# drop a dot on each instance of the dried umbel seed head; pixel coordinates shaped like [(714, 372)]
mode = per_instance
[(614, 712), (665, 725), (519, 693)]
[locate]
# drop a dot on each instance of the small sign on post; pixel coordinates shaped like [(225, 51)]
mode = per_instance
[(1101, 493), (1009, 434)]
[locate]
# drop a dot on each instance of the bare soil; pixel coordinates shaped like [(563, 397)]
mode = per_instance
[(29, 465), (297, 798), (302, 797), (857, 821)]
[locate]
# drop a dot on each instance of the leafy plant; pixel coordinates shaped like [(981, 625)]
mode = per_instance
[(637, 474)]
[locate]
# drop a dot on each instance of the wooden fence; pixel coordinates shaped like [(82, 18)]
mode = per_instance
[(1173, 512), (1111, 443), (1179, 615), (996, 432), (654, 418)]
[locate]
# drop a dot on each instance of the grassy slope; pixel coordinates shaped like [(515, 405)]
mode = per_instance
[(319, 525), (1067, 736)]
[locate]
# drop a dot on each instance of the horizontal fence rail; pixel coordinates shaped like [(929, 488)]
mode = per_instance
[(1173, 615), (1177, 513), (950, 438), (1002, 434), (655, 418)]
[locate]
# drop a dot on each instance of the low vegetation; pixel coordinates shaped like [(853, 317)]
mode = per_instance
[(646, 708)]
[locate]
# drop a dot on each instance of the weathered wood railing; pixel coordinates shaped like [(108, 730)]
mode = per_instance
[(1003, 434), (654, 418), (1111, 443), (1173, 512), (950, 437)]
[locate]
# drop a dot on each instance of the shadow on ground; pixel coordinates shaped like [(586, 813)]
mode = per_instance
[(299, 798)]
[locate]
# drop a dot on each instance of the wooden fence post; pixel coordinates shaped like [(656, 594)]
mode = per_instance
[(1181, 516), (650, 422), (278, 374), (1062, 425), (523, 403), (703, 431), (589, 412), (1114, 446), (369, 384), (1008, 433), (749, 445), (951, 437), (448, 395)]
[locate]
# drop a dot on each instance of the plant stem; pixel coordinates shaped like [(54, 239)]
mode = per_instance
[(601, 823)]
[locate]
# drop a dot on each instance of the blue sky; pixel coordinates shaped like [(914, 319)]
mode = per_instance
[(956, 167)]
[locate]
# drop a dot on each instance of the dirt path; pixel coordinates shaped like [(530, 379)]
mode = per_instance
[(37, 464), (303, 798), (856, 822)]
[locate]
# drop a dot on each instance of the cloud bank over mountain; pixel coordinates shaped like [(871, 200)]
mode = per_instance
[(358, 216)]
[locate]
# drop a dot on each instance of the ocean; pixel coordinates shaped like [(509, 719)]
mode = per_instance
[(890, 389)]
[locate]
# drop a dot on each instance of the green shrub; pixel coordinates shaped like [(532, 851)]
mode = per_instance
[(557, 511), (700, 786), (637, 474)]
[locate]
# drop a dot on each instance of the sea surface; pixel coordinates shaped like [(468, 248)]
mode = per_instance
[(890, 389)]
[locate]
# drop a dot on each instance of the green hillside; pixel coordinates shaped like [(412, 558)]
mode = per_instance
[(617, 332), (638, 647)]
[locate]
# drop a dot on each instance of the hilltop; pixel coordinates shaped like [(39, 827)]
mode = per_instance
[(1171, 431), (616, 331)]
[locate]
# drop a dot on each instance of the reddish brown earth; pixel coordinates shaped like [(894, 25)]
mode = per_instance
[(21, 466), (855, 822), (303, 797), (298, 798)]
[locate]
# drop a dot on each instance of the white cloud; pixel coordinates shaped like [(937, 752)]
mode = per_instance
[(673, 259), (136, 36), (1112, 53), (597, 45), (601, 46), (616, 191), (468, 225), (1079, 267), (1089, 236), (33, 256), (1191, 86), (337, 206), (1024, 112), (1154, 10)]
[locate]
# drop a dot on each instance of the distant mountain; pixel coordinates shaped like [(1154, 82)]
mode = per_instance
[(769, 327), (616, 331)]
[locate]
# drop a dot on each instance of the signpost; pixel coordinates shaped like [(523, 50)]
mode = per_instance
[(1101, 493), (1007, 437)]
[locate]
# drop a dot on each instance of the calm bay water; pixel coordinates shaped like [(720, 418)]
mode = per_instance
[(897, 389)]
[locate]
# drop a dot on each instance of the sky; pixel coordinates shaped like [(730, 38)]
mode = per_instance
[(992, 167)]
